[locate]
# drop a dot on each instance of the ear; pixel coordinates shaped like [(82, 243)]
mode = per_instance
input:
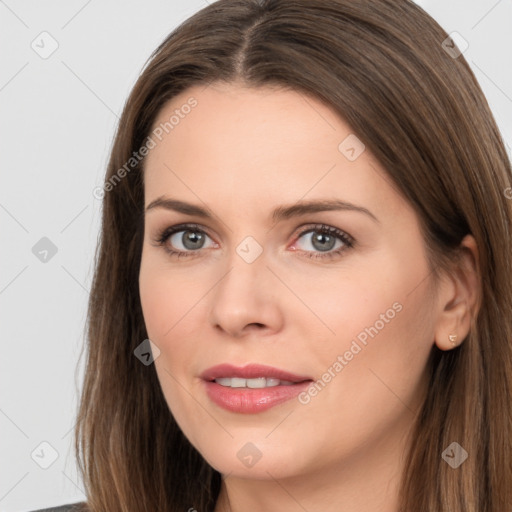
[(459, 298)]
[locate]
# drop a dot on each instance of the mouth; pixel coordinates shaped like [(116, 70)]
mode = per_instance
[(253, 388)]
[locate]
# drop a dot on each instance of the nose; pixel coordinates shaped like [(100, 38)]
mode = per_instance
[(246, 299)]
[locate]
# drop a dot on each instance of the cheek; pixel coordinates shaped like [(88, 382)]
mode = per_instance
[(380, 375), (155, 302), (166, 299), (380, 324), (165, 304)]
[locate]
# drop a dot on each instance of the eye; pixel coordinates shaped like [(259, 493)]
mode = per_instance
[(192, 239), (190, 236), (324, 240)]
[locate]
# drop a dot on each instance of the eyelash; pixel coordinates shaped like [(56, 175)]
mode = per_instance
[(347, 240)]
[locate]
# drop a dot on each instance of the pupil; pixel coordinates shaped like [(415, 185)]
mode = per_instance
[(322, 237), (194, 237)]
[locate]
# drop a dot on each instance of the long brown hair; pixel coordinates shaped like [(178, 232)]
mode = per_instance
[(384, 66)]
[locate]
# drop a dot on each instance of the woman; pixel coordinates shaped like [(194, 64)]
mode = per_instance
[(306, 212)]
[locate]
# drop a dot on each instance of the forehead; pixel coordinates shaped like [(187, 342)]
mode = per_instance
[(254, 147), (242, 119)]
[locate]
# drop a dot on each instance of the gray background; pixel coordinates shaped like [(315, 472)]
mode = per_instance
[(58, 116)]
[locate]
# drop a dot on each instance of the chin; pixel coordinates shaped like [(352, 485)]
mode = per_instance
[(257, 459)]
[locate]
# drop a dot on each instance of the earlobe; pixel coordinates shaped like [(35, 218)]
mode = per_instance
[(461, 298), (451, 342)]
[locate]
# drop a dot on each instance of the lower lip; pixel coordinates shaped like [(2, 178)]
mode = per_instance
[(249, 400)]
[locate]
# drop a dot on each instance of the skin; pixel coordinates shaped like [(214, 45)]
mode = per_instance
[(241, 152)]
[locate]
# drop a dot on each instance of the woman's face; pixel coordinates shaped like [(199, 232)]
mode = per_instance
[(261, 281)]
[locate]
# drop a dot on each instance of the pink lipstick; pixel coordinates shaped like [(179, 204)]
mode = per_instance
[(253, 388)]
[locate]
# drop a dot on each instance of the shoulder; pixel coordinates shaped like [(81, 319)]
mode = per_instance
[(70, 507)]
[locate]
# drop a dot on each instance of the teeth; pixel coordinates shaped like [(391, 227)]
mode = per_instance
[(260, 382)]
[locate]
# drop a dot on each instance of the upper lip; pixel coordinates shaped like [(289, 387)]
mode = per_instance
[(250, 371)]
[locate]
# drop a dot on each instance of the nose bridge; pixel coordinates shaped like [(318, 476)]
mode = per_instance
[(243, 295), (246, 276)]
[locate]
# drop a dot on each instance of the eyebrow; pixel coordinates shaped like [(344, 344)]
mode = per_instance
[(280, 213)]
